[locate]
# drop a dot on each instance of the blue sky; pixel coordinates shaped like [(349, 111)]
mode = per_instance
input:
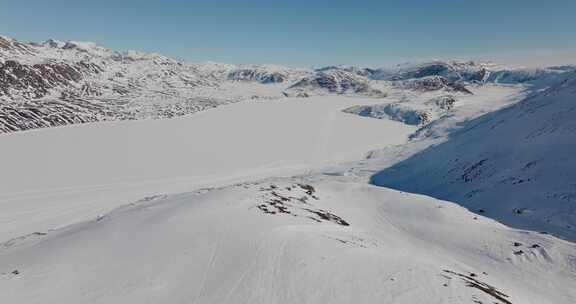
[(304, 33)]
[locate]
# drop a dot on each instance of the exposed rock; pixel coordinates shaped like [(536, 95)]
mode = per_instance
[(396, 111), (434, 83), (335, 81), (446, 102), (453, 71), (259, 75)]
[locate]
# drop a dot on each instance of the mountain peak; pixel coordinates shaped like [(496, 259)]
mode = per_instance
[(54, 43)]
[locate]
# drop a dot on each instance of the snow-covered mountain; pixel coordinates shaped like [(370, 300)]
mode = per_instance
[(451, 70), (516, 165), (537, 77), (267, 74), (57, 83), (334, 81)]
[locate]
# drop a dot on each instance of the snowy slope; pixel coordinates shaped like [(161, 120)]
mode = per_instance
[(427, 109), (288, 241), (515, 165)]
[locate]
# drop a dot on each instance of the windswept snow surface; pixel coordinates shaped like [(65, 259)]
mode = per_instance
[(285, 241), (57, 176)]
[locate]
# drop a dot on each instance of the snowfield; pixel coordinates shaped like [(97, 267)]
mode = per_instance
[(285, 241), (58, 176)]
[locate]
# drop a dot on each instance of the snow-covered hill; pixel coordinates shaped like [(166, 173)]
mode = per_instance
[(288, 241), (516, 165)]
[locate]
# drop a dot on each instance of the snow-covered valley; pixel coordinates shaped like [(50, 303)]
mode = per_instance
[(285, 185), (60, 175)]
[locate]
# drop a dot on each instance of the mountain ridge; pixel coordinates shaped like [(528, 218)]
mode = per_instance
[(55, 83)]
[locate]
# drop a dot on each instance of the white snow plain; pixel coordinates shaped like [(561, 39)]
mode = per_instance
[(58, 176)]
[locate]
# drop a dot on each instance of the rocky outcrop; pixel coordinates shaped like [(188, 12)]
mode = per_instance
[(453, 71), (259, 75), (446, 102), (57, 83), (395, 111), (434, 83), (334, 81), (38, 80)]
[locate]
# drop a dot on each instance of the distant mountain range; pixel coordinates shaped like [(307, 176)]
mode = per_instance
[(57, 83)]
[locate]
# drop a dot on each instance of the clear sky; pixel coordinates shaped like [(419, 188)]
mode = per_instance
[(305, 33)]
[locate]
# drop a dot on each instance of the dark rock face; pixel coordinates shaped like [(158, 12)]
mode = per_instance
[(445, 102), (364, 72), (257, 75), (459, 87), (453, 71), (34, 114), (13, 45), (55, 83), (62, 93), (429, 70), (30, 80), (395, 111), (434, 83), (429, 83), (337, 82), (42, 113), (36, 81)]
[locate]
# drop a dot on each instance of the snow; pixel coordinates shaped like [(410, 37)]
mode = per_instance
[(216, 246), (515, 164), (87, 218), (60, 175), (429, 109), (268, 200)]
